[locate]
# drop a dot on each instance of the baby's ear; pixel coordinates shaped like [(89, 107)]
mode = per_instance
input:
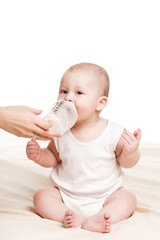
[(102, 102)]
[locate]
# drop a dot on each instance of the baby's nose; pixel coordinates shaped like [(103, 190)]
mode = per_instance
[(69, 97)]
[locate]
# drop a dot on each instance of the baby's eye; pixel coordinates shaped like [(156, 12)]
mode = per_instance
[(64, 91), (79, 92)]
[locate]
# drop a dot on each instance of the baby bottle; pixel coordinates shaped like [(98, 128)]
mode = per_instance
[(63, 115)]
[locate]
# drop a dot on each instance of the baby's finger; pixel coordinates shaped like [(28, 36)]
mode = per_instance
[(130, 135), (127, 137), (32, 143), (33, 150), (29, 143), (138, 135), (32, 156)]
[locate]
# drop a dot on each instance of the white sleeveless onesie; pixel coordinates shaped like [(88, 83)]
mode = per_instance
[(88, 172)]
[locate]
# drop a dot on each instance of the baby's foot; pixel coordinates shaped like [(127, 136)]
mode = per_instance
[(72, 220), (98, 223)]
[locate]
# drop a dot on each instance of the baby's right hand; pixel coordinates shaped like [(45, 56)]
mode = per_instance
[(33, 151)]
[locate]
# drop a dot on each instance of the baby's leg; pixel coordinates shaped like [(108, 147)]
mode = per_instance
[(119, 206), (49, 204)]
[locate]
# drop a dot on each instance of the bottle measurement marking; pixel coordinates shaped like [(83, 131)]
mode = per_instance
[(57, 106)]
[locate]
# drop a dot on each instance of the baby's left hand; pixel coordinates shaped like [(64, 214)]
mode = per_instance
[(130, 142)]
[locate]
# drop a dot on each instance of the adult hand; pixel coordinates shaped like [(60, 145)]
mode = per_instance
[(23, 121)]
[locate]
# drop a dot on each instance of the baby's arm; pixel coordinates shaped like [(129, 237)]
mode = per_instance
[(127, 152), (44, 157)]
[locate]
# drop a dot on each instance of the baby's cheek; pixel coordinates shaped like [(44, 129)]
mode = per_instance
[(80, 111)]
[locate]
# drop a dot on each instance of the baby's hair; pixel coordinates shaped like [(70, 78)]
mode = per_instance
[(98, 69)]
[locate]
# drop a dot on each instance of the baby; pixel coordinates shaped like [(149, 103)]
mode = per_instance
[(86, 161)]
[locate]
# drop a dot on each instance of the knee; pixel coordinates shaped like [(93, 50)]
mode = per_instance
[(131, 200), (39, 197)]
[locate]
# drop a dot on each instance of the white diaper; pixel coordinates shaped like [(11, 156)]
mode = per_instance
[(86, 207)]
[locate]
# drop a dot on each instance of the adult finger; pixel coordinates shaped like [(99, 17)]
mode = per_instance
[(43, 138), (34, 110), (43, 124), (41, 132)]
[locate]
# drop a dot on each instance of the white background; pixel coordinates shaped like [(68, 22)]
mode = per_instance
[(39, 40)]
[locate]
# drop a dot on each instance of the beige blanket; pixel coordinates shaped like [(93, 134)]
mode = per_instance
[(20, 178)]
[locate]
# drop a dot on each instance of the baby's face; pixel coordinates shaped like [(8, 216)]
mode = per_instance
[(83, 88)]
